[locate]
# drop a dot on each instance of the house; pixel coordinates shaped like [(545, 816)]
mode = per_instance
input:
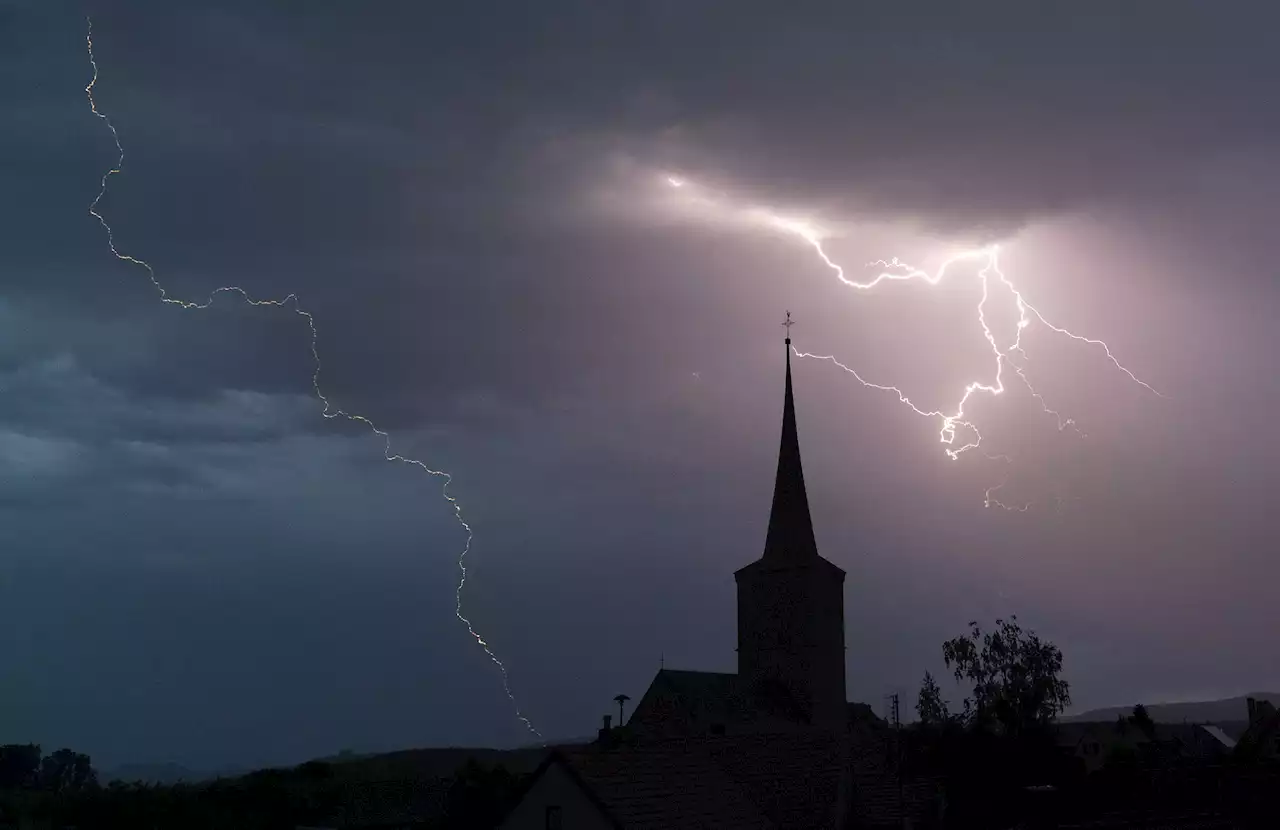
[(801, 780), (1204, 743), (1096, 743), (702, 782), (1261, 740)]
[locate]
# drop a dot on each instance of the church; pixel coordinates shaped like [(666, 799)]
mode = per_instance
[(774, 744), (791, 651)]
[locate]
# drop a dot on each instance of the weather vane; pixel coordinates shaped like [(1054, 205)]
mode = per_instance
[(788, 323)]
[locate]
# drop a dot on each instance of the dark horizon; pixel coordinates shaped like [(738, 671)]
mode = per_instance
[(476, 215)]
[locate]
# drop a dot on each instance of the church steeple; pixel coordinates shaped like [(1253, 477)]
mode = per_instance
[(791, 601), (790, 537)]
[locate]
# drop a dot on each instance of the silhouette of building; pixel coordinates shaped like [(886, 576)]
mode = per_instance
[(791, 651), (774, 744), (1262, 739)]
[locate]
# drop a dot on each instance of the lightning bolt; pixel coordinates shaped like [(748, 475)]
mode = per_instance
[(952, 422), (329, 411)]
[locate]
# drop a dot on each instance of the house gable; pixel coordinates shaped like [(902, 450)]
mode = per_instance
[(556, 787)]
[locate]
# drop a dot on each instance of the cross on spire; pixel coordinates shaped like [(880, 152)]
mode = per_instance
[(788, 323)]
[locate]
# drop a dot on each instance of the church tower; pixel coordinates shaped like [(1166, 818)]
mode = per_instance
[(791, 602)]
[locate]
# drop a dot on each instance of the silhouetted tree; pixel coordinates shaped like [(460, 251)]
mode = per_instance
[(66, 771), (1002, 738), (19, 766), (1015, 676), (930, 706), (1142, 720)]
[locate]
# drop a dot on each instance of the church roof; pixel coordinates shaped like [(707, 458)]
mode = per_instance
[(698, 685), (702, 697), (790, 536)]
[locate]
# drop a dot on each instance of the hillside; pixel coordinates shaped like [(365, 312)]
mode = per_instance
[(432, 764), (1201, 711)]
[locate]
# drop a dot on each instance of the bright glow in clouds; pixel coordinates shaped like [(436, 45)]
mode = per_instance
[(292, 302), (715, 207)]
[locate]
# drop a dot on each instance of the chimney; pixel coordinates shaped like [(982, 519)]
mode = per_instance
[(606, 730)]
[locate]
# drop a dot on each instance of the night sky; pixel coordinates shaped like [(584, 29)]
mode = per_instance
[(196, 566)]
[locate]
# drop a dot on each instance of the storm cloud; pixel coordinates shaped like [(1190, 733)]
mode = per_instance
[(192, 554)]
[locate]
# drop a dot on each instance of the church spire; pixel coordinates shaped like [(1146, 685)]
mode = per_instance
[(790, 536)]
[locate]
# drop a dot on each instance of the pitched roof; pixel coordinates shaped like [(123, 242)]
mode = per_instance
[(793, 778), (1196, 738), (702, 697), (1071, 733), (1219, 735), (1264, 724), (792, 781), (662, 785), (883, 793), (697, 685)]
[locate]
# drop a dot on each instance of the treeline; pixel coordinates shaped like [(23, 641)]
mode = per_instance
[(24, 768), (312, 794)]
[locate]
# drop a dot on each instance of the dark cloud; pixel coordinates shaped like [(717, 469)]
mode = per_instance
[(605, 390)]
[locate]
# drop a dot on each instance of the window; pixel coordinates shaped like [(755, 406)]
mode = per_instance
[(553, 818)]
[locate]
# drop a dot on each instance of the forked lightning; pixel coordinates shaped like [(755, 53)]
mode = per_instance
[(896, 270), (328, 411)]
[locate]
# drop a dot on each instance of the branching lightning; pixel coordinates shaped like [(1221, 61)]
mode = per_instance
[(896, 270), (329, 411)]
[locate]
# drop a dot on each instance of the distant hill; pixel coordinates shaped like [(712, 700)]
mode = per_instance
[(586, 739), (388, 789), (406, 764), (434, 763), (1200, 711)]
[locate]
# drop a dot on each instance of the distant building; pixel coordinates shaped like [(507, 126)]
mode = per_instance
[(1098, 743), (773, 745), (1261, 740)]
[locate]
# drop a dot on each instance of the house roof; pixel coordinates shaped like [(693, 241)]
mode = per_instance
[(794, 778), (789, 781), (1072, 733), (1200, 739), (704, 697), (661, 786), (1264, 722), (881, 796), (1222, 737)]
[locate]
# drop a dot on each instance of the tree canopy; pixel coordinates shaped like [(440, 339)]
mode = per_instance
[(1015, 677)]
